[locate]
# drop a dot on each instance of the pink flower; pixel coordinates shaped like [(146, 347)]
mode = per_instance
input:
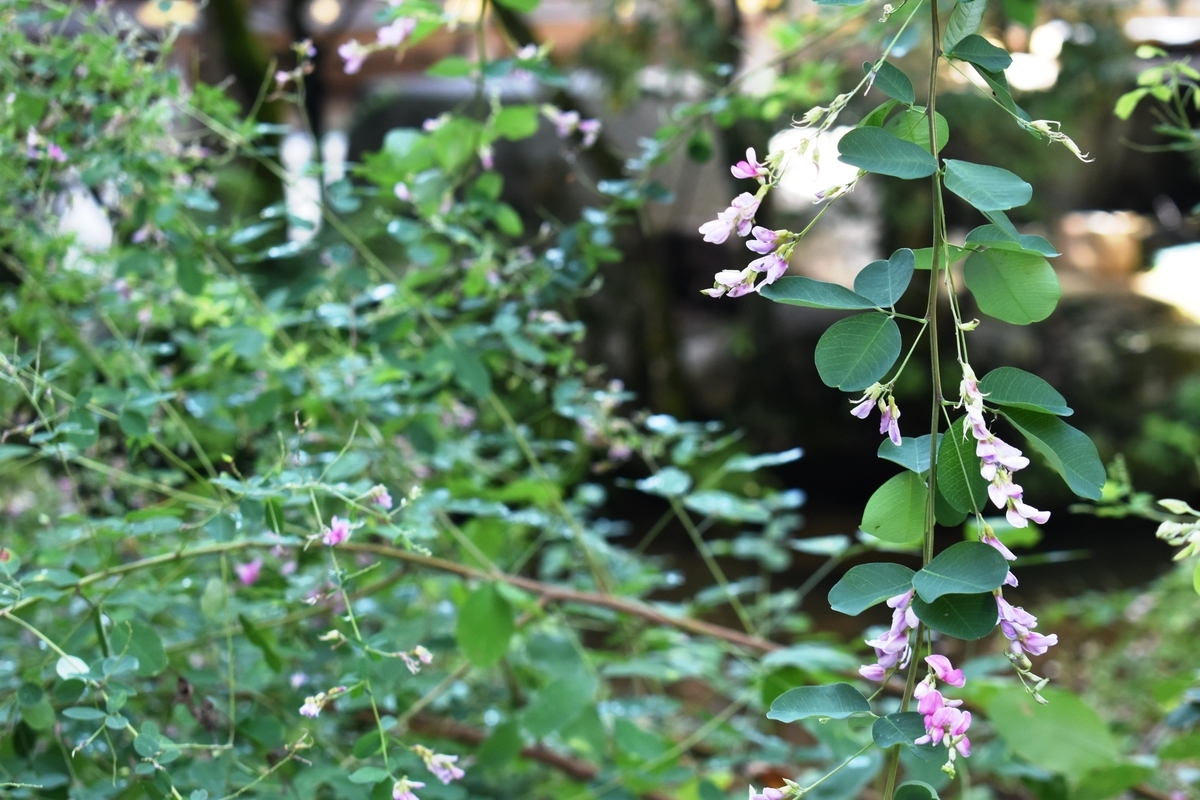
[(1019, 513), (403, 789), (989, 537), (767, 793), (872, 672), (380, 495), (55, 153), (402, 192), (764, 240), (313, 705), (863, 409), (889, 416), (565, 122), (440, 764), (339, 531), (774, 265), (733, 282), (354, 54), (750, 168), (739, 216), (891, 648), (393, 35), (487, 157), (281, 78), (945, 671), (248, 573), (590, 128)]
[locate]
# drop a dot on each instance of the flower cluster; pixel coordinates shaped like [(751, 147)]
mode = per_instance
[(568, 122), (999, 459), (441, 765), (403, 789), (891, 648), (889, 413), (945, 723), (337, 532), (394, 34), (305, 53), (314, 705)]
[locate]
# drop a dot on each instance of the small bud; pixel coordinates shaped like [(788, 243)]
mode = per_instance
[(968, 326)]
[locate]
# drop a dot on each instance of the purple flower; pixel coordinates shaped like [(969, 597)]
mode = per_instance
[(1019, 513), (590, 128), (565, 122), (486, 157), (55, 153), (393, 35), (354, 54), (774, 265), (380, 495), (889, 416), (339, 531), (402, 192), (891, 648), (733, 282), (767, 793), (313, 705), (739, 216), (764, 240), (863, 409), (248, 573), (989, 537), (440, 764), (750, 168), (945, 672), (872, 672), (403, 789), (1017, 626)]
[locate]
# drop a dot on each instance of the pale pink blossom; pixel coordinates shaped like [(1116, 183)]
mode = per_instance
[(354, 54), (738, 217), (764, 240), (338, 532), (393, 35), (248, 573), (402, 192), (889, 420), (750, 168), (768, 793), (590, 128), (773, 264), (402, 790), (945, 671), (891, 647)]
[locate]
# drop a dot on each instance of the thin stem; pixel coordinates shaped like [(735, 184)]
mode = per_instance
[(842, 765)]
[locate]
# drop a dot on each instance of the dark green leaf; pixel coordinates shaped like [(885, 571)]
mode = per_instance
[(1111, 781), (996, 236), (884, 282), (470, 372), (892, 82), (958, 478), (136, 638), (1068, 450), (918, 790), (911, 453), (896, 511), (894, 729), (963, 616), (1009, 386), (912, 125), (985, 187), (999, 86), (369, 775), (800, 291), (485, 626), (963, 568), (857, 351), (835, 701), (1013, 286), (1066, 736), (867, 585), (264, 645), (83, 713), (982, 53), (876, 150), (964, 20)]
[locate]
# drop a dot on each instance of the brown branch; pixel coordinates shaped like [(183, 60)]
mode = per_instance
[(577, 769), (563, 594)]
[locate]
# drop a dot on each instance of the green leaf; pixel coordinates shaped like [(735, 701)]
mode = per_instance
[(115, 722), (136, 638), (857, 351), (918, 790), (982, 53), (924, 256), (501, 747), (84, 713), (876, 150), (1196, 578), (212, 599), (520, 6), (878, 115), (1009, 386), (1023, 12), (1068, 450), (557, 705), (1065, 736), (148, 741), (894, 729), (892, 82), (963, 616), (1013, 286), (133, 423), (911, 453), (667, 482), (260, 641), (11, 451), (69, 667), (29, 694), (884, 282), (835, 701), (896, 512), (1111, 781), (451, 67), (715, 503), (964, 20), (912, 125), (1127, 102), (516, 122), (800, 291), (470, 373), (985, 187), (867, 585), (998, 83), (997, 236), (963, 568), (485, 626), (958, 478), (369, 775), (745, 463)]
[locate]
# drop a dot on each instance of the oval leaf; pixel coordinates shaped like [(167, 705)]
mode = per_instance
[(1012, 286), (485, 626), (963, 568), (963, 616), (884, 282), (1066, 736), (836, 701), (136, 638), (1068, 450), (896, 512), (912, 125), (980, 52), (1009, 386), (857, 351), (876, 150), (964, 20), (867, 585), (911, 453), (893, 82), (894, 729), (958, 478), (919, 790), (799, 291), (986, 188)]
